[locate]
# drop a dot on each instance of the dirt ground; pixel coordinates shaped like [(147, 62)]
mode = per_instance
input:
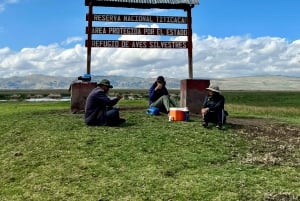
[(272, 143), (266, 127)]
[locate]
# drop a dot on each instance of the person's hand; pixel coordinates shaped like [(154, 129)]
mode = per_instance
[(119, 97), (204, 111), (159, 86)]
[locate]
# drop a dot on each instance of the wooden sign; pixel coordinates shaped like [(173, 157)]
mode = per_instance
[(138, 31), (138, 44), (138, 18)]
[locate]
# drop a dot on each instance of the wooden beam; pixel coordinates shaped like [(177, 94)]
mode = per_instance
[(138, 5)]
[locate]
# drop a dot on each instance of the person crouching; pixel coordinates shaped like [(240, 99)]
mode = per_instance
[(213, 107), (99, 109)]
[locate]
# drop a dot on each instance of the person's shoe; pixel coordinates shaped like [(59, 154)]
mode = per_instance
[(219, 126), (116, 123), (121, 121), (205, 124)]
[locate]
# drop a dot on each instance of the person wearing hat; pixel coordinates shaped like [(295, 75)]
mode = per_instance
[(213, 107), (99, 109), (159, 96)]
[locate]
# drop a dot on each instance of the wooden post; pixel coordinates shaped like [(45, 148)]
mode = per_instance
[(89, 39), (190, 42)]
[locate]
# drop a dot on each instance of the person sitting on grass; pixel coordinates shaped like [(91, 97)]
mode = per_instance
[(99, 109), (159, 96), (213, 107)]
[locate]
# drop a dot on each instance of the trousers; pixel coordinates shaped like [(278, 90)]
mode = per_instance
[(218, 117), (164, 103)]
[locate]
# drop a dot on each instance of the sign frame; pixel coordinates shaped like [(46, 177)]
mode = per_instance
[(90, 17)]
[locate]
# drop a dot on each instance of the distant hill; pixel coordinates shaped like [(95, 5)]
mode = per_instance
[(273, 83), (58, 82), (238, 83)]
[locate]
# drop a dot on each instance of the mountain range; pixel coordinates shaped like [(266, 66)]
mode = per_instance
[(279, 83)]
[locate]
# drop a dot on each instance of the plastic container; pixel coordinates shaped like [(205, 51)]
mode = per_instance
[(186, 113), (176, 114)]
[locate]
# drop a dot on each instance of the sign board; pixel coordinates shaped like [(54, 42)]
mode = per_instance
[(138, 18), (138, 31), (101, 30), (138, 44)]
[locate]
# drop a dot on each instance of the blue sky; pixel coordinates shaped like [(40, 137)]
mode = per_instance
[(223, 18), (231, 38)]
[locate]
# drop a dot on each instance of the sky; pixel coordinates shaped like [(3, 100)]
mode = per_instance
[(231, 38)]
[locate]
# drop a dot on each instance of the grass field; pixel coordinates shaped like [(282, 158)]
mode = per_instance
[(47, 153)]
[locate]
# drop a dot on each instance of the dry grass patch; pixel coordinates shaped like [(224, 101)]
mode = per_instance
[(271, 143)]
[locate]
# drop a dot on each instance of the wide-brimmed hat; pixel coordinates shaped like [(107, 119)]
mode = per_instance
[(214, 88), (160, 79), (105, 82)]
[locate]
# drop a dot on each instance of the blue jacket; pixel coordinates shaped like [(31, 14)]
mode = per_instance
[(155, 95)]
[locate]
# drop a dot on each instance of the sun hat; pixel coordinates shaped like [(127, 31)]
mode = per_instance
[(214, 88), (105, 82)]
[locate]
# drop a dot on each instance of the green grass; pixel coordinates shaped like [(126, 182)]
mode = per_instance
[(47, 153), (263, 98), (283, 106)]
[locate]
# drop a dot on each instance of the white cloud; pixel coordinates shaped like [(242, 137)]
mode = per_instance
[(243, 56), (4, 3), (212, 58), (72, 40)]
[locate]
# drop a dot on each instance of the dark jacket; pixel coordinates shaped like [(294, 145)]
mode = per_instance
[(214, 103), (155, 95), (95, 107)]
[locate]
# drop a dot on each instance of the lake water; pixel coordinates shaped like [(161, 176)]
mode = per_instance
[(47, 99)]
